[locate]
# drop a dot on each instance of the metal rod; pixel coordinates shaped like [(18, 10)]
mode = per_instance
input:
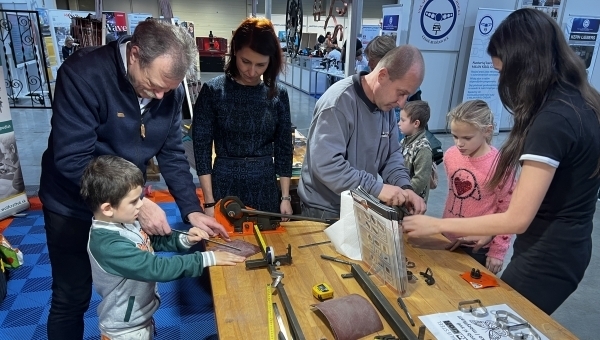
[(289, 313), (291, 217), (382, 304), (403, 306), (331, 258), (207, 240), (254, 7), (313, 244), (268, 9)]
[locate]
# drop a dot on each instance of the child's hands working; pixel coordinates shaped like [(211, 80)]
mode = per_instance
[(195, 235), (228, 259), (494, 265)]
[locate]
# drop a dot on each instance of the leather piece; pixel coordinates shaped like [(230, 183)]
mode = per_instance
[(350, 317), (248, 249)]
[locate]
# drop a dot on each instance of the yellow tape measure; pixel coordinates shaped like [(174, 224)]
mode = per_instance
[(322, 291), (270, 312), (261, 241)]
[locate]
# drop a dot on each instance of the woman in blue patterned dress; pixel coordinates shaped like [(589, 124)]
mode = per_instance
[(246, 113)]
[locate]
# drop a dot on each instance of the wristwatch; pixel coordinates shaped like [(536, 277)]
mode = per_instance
[(286, 198)]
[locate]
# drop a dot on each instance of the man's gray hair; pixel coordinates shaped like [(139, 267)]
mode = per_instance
[(400, 60), (156, 38), (378, 47)]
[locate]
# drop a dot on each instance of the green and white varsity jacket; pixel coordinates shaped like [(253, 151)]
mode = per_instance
[(125, 271)]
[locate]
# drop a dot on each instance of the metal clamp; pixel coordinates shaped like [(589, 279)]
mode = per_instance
[(467, 307), (515, 326)]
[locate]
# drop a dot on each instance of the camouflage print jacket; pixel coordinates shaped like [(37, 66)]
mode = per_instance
[(417, 159)]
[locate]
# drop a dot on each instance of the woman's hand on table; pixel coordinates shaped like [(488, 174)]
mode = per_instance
[(286, 209), (420, 225)]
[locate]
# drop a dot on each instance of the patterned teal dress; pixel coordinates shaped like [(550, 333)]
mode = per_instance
[(252, 140)]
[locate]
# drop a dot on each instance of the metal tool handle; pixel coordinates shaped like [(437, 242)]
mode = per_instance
[(291, 217)]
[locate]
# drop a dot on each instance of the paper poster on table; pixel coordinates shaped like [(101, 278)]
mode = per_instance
[(135, 18), (582, 35), (553, 8), (482, 78), (116, 25), (437, 24), (392, 21), (60, 28), (460, 325), (12, 188)]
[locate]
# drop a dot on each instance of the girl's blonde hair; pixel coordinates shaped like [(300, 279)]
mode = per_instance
[(474, 112)]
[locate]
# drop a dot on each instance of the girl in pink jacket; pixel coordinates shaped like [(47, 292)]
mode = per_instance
[(469, 166)]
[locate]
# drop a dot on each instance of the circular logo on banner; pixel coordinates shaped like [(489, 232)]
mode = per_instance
[(438, 18), (486, 24), (586, 23)]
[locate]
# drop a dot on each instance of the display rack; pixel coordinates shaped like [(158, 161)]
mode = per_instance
[(87, 31)]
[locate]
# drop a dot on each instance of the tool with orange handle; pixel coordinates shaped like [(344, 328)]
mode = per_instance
[(231, 213)]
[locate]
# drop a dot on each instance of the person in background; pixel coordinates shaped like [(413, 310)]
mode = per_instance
[(69, 47), (124, 267), (415, 146), (361, 62), (135, 114), (359, 47), (354, 119), (555, 143), (246, 114), (330, 42), (469, 164), (377, 48)]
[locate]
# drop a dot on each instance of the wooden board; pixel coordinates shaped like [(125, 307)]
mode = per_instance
[(240, 302)]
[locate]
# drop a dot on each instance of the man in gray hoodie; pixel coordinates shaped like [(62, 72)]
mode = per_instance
[(353, 137)]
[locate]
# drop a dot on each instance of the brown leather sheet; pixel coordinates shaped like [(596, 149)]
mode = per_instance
[(350, 317), (247, 249)]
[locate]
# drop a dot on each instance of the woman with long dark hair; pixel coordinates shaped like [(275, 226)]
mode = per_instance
[(555, 141), (246, 113)]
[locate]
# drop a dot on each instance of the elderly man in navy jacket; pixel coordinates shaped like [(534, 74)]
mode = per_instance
[(120, 99)]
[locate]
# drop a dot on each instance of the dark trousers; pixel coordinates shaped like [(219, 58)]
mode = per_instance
[(71, 275), (547, 278), (318, 213)]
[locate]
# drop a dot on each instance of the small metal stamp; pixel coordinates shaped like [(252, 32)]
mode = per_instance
[(474, 307)]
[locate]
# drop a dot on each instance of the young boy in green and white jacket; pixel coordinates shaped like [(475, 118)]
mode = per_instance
[(415, 146), (124, 267)]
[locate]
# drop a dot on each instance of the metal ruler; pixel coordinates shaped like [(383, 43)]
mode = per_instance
[(270, 312)]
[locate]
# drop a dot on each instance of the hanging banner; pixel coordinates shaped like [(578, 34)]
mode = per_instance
[(116, 25), (482, 78), (392, 21), (553, 8), (12, 188), (60, 28), (369, 32), (135, 18), (437, 24), (582, 34)]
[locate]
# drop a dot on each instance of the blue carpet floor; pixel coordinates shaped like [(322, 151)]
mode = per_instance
[(186, 311)]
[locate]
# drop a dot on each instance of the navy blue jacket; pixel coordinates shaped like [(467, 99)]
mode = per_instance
[(96, 112)]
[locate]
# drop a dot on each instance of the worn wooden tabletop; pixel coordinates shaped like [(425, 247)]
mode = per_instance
[(240, 294)]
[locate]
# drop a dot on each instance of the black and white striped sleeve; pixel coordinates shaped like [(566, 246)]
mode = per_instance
[(549, 140)]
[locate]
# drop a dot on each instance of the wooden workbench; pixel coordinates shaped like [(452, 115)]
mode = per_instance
[(240, 294)]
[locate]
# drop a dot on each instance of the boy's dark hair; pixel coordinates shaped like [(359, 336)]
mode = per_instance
[(108, 179), (418, 110)]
